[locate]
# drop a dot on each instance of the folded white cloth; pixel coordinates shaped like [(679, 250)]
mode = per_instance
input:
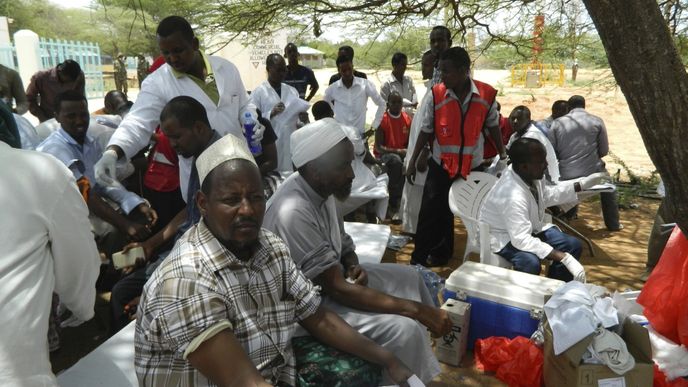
[(570, 315), (611, 350)]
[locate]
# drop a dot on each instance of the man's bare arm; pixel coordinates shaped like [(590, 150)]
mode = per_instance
[(223, 360)]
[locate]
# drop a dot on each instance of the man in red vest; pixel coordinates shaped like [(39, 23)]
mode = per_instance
[(460, 114)]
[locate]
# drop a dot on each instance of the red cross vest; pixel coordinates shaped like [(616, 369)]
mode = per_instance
[(456, 132)]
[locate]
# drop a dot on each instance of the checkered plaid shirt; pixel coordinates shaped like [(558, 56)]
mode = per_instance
[(201, 284)]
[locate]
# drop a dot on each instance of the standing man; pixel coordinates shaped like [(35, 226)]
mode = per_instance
[(440, 41), (580, 141), (213, 81), (298, 76), (347, 51), (221, 309), (349, 97), (385, 302), (46, 85), (120, 66), (402, 84), (280, 103), (460, 111), (559, 109), (142, 69), (12, 90), (46, 246)]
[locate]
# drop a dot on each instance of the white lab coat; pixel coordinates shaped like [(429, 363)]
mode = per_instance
[(135, 131), (264, 97), (514, 216), (46, 246)]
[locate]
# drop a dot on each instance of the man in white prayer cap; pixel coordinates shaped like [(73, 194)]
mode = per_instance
[(388, 303), (220, 310)]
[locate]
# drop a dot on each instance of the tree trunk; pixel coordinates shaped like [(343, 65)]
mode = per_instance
[(649, 71)]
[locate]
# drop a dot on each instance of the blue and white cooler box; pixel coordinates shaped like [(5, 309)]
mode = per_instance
[(504, 302)]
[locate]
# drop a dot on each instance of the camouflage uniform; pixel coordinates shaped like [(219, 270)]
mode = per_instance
[(142, 69), (120, 75)]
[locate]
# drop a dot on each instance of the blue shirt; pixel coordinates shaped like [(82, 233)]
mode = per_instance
[(80, 159)]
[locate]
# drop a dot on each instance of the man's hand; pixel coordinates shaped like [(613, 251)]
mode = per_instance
[(140, 261), (436, 319), (422, 161), (149, 213), (398, 372), (411, 172), (574, 267), (136, 231), (501, 165), (258, 131), (592, 180), (106, 169), (357, 274), (279, 108)]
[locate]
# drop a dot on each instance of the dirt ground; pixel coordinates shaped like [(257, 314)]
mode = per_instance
[(619, 258)]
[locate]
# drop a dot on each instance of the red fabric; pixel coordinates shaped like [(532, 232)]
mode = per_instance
[(449, 122), (396, 130), (666, 291), (490, 150), (160, 176), (661, 381), (517, 362), (159, 61)]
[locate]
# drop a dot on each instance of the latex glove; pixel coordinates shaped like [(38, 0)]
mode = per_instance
[(592, 180), (258, 132), (501, 165), (106, 169), (574, 267)]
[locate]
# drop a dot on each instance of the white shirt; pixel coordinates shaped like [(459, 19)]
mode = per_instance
[(264, 97), (46, 245), (405, 89), (551, 157), (135, 131), (351, 104), (514, 215)]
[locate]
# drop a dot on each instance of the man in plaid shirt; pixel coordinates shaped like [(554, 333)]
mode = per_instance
[(220, 310)]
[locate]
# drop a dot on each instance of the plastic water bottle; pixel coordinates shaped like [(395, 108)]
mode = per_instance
[(249, 124)]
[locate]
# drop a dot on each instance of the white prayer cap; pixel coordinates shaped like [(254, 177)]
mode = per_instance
[(314, 140), (227, 148)]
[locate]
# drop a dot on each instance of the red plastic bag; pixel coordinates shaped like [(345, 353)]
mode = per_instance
[(665, 292), (661, 381), (517, 362)]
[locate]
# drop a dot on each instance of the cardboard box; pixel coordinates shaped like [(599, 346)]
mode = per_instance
[(451, 347), (566, 370)]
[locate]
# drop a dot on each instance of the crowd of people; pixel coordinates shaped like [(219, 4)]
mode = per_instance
[(229, 205)]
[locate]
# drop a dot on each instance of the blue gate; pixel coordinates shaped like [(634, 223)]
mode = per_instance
[(87, 54)]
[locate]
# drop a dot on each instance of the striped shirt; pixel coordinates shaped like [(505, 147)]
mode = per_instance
[(202, 284)]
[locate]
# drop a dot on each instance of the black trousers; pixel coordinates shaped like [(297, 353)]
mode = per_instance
[(435, 230)]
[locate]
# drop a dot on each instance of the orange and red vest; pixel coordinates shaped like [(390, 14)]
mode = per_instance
[(396, 130), (456, 132)]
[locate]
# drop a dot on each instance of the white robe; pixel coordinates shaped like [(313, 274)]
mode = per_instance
[(264, 97)]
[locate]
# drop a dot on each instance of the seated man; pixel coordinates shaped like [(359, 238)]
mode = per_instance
[(523, 127), (221, 308), (559, 109), (391, 140), (73, 146), (515, 211), (115, 103), (385, 302)]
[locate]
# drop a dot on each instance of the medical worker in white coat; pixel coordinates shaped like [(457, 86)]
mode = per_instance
[(213, 81)]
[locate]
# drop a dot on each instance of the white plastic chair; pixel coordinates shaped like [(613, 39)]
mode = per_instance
[(465, 199)]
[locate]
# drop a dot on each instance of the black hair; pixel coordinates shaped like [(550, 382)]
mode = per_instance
[(321, 109), (272, 59), (458, 56), (69, 95), (444, 30), (186, 110), (172, 24), (394, 93), (398, 58), (522, 150), (348, 50), (70, 68), (576, 101), (343, 59), (292, 46), (521, 110)]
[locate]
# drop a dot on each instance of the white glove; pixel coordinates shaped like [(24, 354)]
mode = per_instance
[(592, 180), (501, 165), (258, 131), (106, 169), (574, 267)]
